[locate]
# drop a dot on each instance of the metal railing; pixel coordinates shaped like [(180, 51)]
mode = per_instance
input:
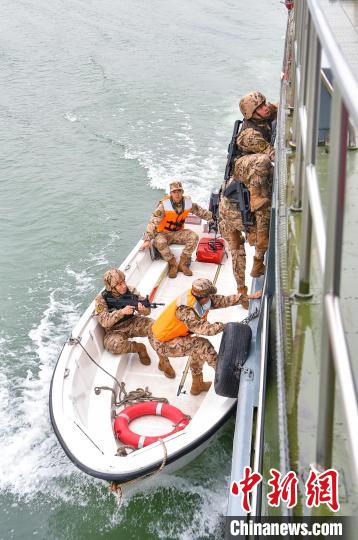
[(312, 36), (352, 138)]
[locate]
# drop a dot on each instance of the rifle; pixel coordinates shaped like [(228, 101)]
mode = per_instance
[(238, 194), (233, 150), (214, 209), (129, 299)]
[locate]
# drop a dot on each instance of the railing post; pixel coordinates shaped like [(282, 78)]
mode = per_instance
[(301, 96), (312, 95), (296, 67), (334, 232)]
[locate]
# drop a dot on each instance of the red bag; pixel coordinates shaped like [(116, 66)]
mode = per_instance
[(210, 250)]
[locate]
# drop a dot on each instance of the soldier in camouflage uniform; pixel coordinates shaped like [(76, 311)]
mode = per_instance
[(185, 316), (166, 227), (122, 324), (256, 132), (254, 169)]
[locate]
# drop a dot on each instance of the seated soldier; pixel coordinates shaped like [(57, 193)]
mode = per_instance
[(122, 324), (172, 333), (166, 227)]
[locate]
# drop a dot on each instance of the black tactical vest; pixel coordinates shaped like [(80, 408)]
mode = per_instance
[(119, 302)]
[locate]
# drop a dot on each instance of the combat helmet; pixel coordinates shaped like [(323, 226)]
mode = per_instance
[(250, 102), (202, 287), (112, 278)]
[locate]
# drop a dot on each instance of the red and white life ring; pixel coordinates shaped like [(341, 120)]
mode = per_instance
[(155, 408)]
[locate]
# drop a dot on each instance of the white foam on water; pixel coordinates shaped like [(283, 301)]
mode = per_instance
[(31, 456), (82, 280), (192, 506), (178, 155), (70, 116), (4, 403)]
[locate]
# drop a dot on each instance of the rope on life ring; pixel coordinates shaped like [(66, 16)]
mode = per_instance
[(154, 408)]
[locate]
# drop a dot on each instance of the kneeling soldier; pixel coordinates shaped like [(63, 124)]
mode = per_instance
[(166, 227), (122, 324), (172, 333)]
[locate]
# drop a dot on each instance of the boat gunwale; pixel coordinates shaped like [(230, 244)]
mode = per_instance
[(171, 458)]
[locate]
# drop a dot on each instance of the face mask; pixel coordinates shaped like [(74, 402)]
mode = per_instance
[(202, 309)]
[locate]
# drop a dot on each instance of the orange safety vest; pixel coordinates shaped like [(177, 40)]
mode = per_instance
[(168, 326), (172, 221)]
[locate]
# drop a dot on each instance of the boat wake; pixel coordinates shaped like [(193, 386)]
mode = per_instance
[(34, 468)]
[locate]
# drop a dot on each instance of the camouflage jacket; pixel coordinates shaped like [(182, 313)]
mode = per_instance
[(110, 319), (198, 326), (252, 141), (230, 212), (158, 215)]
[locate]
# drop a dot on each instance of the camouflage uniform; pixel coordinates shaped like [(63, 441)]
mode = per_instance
[(162, 240), (231, 228), (255, 134), (254, 140), (197, 348), (119, 331), (254, 170)]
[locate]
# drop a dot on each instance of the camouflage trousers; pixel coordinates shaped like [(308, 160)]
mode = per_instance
[(163, 240), (255, 172), (199, 350), (232, 229), (117, 340)]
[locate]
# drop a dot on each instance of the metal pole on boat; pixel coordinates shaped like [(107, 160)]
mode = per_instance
[(182, 381)]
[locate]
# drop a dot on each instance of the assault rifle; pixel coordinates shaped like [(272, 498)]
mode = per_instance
[(214, 209), (237, 192), (124, 300), (232, 151)]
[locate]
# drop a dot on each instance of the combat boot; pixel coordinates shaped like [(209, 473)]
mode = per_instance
[(198, 385), (257, 201), (183, 265), (258, 268), (166, 367), (173, 268), (144, 357), (244, 300)]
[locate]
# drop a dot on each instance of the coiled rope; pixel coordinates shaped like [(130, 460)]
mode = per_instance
[(123, 397)]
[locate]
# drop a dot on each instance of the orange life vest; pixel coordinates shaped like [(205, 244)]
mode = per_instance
[(172, 221), (168, 326)]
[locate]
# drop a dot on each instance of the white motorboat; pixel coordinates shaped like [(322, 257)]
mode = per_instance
[(85, 390)]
